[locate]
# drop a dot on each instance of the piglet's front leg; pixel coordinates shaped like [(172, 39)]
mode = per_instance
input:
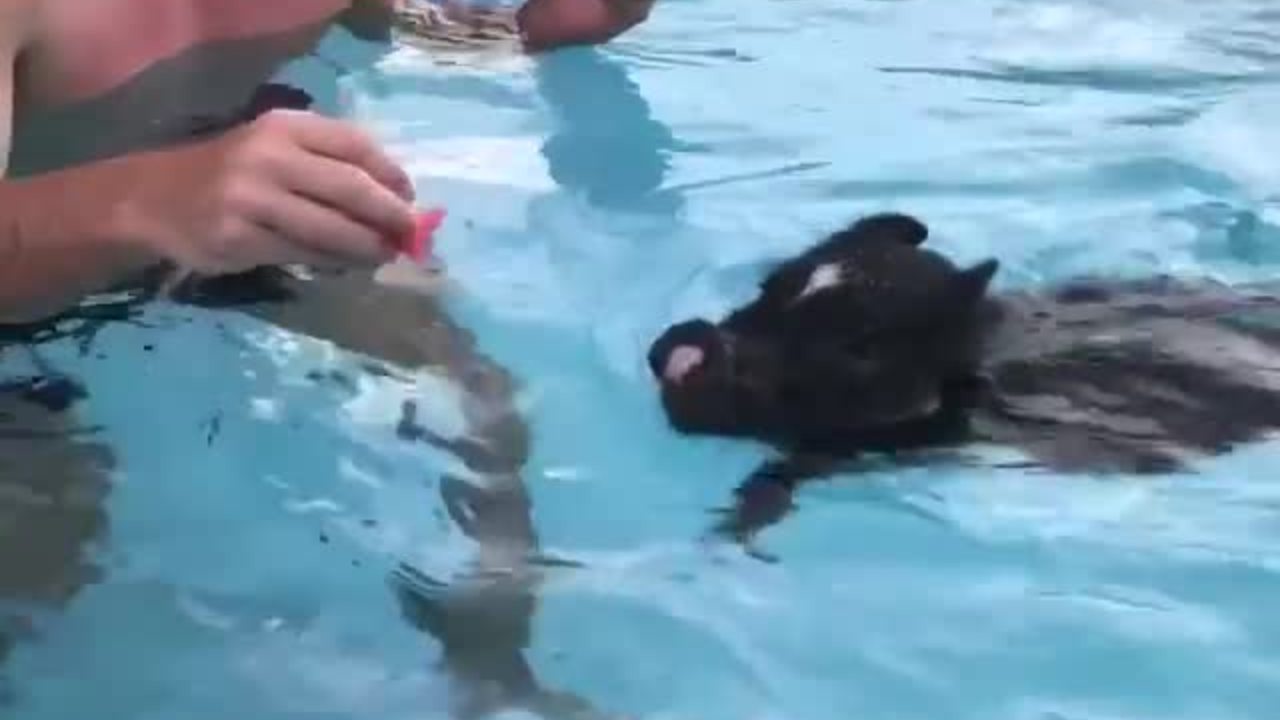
[(766, 497)]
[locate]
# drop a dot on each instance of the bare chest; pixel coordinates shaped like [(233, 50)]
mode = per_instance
[(111, 76)]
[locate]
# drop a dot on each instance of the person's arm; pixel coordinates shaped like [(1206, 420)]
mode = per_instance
[(57, 244), (369, 20), (540, 24), (550, 24), (289, 187)]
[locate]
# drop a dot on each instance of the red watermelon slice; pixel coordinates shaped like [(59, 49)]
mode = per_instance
[(418, 245)]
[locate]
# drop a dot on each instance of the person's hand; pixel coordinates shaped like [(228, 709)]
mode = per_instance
[(290, 187)]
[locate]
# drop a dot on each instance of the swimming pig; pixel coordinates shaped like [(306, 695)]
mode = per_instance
[(871, 342)]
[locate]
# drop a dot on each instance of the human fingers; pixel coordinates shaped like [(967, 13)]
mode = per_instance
[(245, 243), (342, 141), (275, 246), (327, 235), (350, 191)]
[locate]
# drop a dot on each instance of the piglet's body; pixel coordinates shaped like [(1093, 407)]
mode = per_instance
[(869, 342)]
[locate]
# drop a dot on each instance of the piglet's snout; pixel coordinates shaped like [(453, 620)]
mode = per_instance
[(682, 360)]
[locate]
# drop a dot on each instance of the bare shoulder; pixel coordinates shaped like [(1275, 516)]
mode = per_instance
[(19, 21), (18, 25)]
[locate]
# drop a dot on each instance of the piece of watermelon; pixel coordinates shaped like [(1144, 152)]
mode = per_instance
[(418, 245)]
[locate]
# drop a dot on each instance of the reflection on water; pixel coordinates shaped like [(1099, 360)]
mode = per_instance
[(483, 619), (53, 480), (605, 144)]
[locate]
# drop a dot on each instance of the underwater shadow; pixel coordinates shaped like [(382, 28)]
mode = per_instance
[(606, 146)]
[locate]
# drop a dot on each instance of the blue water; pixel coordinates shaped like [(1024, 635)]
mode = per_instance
[(596, 196)]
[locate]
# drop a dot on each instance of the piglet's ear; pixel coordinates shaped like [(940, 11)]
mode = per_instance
[(897, 227), (972, 283)]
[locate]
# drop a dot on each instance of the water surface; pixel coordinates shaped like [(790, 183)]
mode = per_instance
[(596, 195)]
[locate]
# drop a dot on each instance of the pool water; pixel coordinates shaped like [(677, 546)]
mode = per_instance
[(254, 517)]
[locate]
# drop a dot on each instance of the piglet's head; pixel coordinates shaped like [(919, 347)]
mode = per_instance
[(712, 382)]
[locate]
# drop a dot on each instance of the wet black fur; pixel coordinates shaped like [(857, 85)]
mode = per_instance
[(910, 352)]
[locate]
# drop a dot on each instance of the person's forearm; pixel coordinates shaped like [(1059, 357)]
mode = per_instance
[(550, 24), (60, 240), (630, 13), (370, 20)]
